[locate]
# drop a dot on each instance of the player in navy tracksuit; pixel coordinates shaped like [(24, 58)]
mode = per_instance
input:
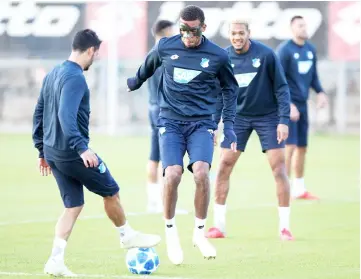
[(162, 28), (192, 66), (61, 135), (299, 60), (263, 105)]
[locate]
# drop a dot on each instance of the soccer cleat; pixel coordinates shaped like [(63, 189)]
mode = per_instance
[(215, 233), (306, 196), (286, 235), (140, 240), (207, 249), (174, 249), (56, 267)]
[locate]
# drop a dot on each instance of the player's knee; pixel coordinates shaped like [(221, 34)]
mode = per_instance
[(73, 212), (301, 149), (173, 175), (113, 198), (226, 166), (201, 173), (279, 171)]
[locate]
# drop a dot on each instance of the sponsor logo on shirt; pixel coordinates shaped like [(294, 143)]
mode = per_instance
[(184, 75), (304, 66), (245, 79)]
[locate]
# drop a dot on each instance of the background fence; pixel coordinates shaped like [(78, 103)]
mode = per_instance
[(36, 35)]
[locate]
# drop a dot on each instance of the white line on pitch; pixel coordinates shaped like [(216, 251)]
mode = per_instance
[(92, 275)]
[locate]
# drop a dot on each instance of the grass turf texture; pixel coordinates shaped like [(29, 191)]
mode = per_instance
[(326, 232)]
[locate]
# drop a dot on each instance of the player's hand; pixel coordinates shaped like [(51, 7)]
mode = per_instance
[(282, 132), (322, 100), (44, 168), (90, 159), (231, 137), (133, 84), (295, 114), (215, 133)]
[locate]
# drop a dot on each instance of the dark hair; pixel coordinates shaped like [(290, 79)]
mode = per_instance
[(296, 17), (192, 12), (160, 25), (85, 39)]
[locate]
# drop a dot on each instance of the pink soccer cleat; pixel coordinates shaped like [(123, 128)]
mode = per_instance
[(214, 233), (307, 196), (286, 235)]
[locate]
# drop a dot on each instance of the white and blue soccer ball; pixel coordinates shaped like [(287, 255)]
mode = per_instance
[(142, 260)]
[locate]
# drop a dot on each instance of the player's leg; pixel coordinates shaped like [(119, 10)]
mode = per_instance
[(72, 195), (266, 128), (200, 149), (172, 149), (299, 188), (154, 186), (243, 130), (100, 181), (291, 144)]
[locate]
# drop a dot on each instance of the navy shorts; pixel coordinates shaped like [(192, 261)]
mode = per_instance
[(298, 131), (154, 138), (178, 137), (72, 175), (265, 127)]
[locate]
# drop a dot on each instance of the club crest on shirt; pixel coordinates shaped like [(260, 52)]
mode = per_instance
[(205, 62), (296, 55), (174, 57), (309, 54), (232, 65), (256, 62)]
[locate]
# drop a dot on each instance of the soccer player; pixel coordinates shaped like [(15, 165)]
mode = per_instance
[(61, 135), (162, 28), (192, 66), (299, 60), (263, 105)]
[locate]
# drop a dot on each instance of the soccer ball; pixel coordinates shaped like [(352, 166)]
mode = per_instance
[(142, 260)]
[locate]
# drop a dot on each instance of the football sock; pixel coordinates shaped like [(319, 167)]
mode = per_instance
[(284, 217), (58, 248), (170, 223), (125, 230), (200, 223), (298, 186), (154, 193), (220, 216)]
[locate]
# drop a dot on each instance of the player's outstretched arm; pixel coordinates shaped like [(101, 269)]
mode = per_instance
[(38, 123), (146, 70), (229, 87)]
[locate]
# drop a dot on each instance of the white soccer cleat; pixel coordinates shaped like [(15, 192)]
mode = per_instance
[(57, 268), (139, 240), (207, 249), (174, 249)]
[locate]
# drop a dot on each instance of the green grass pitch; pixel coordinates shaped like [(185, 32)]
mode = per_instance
[(326, 233)]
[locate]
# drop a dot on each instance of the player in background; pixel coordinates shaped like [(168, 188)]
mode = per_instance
[(61, 135), (161, 28), (188, 95), (263, 105), (299, 60)]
